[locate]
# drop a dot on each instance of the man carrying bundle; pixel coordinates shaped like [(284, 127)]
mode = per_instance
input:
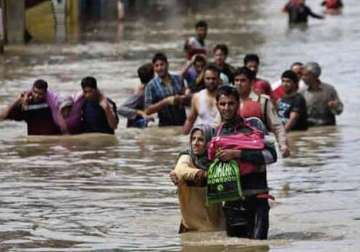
[(247, 217)]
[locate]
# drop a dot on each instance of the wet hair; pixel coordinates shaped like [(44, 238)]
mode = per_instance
[(159, 56), (223, 48), (296, 64), (212, 67), (227, 90), (201, 23), (89, 81), (146, 73), (314, 68), (245, 71), (40, 84), (251, 57), (290, 75)]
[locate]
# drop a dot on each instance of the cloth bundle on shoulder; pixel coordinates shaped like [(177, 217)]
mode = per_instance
[(223, 182)]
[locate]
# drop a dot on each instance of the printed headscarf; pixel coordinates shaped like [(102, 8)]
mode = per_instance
[(201, 161)]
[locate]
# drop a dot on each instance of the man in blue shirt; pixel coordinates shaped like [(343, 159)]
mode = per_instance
[(165, 94), (98, 112)]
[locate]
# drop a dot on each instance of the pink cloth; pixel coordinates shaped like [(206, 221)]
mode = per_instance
[(72, 124), (263, 86), (238, 141), (73, 121)]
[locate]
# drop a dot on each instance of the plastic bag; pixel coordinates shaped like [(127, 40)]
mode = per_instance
[(223, 182)]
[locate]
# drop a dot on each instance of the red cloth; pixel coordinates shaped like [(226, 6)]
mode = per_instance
[(263, 86), (332, 4), (250, 108), (278, 93)]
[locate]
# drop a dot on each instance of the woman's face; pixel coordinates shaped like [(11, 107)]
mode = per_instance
[(198, 145)]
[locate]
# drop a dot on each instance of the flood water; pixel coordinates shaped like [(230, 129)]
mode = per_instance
[(104, 193)]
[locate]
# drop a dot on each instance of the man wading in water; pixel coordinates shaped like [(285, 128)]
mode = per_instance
[(248, 217)]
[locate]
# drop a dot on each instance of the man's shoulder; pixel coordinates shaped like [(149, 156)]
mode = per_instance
[(259, 98), (327, 86), (111, 101)]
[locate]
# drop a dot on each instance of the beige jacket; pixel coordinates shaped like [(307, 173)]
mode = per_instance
[(196, 216)]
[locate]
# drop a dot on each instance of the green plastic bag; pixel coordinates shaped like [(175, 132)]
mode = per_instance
[(223, 182)]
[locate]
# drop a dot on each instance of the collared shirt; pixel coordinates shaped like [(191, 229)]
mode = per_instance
[(317, 101), (157, 90)]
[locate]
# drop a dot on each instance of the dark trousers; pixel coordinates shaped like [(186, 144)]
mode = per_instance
[(248, 218)]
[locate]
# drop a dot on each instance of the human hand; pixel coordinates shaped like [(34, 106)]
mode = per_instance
[(25, 98), (174, 178), (227, 155), (332, 104), (103, 102), (285, 151)]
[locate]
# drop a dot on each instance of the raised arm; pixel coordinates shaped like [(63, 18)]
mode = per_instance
[(110, 112), (5, 112)]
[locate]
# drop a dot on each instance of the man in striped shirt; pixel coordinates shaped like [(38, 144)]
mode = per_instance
[(165, 94)]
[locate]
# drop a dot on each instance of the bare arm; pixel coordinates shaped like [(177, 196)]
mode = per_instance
[(277, 128), (154, 108), (5, 113), (189, 123), (293, 118), (109, 113)]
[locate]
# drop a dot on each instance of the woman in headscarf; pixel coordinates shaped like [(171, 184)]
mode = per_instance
[(190, 175)]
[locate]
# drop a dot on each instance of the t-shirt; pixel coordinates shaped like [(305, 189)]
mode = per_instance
[(299, 13), (38, 118), (295, 103), (94, 117)]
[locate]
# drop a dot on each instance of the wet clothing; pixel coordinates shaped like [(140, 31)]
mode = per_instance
[(94, 117), (195, 46), (293, 103), (38, 117), (248, 218), (129, 110), (206, 114), (196, 216), (299, 13), (318, 110), (74, 122), (156, 90)]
